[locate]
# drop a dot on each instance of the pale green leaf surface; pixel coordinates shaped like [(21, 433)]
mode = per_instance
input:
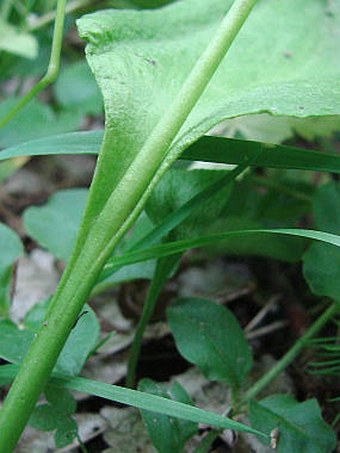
[(168, 434), (141, 59), (55, 224), (17, 42), (300, 424), (221, 352)]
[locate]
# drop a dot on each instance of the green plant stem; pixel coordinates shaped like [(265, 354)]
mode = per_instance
[(53, 66), (282, 364), (164, 268), (47, 18), (121, 209), (5, 10)]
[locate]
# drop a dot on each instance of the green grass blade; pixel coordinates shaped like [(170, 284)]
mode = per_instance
[(208, 149), (171, 248), (231, 151), (137, 399)]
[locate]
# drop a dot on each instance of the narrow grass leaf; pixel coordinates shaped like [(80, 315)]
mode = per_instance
[(181, 246), (137, 399), (206, 149), (168, 434)]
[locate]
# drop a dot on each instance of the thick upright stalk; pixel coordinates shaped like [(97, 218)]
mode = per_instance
[(120, 211)]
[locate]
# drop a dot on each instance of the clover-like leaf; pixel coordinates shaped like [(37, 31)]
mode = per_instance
[(300, 426), (168, 434)]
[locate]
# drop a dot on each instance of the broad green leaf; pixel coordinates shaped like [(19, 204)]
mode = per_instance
[(177, 187), (17, 42), (43, 418), (137, 399), (321, 262), (55, 224), (207, 148), (172, 248), (35, 120), (222, 206), (67, 430), (301, 428), (209, 336), (14, 341), (76, 88), (11, 248), (56, 415), (62, 401), (142, 58), (81, 341), (168, 434)]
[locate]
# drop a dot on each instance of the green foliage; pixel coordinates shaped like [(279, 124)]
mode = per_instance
[(134, 55), (301, 428), (207, 149), (14, 41), (321, 262), (135, 398), (56, 415), (15, 341), (168, 434), (209, 336), (34, 120), (55, 225), (327, 356), (176, 188), (172, 248), (76, 89), (11, 248)]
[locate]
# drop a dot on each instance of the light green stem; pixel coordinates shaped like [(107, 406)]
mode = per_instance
[(47, 18), (163, 269), (5, 10), (53, 66), (121, 209), (292, 353)]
